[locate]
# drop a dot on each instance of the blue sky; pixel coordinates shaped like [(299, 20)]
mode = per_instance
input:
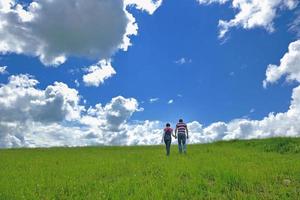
[(209, 91), (221, 79)]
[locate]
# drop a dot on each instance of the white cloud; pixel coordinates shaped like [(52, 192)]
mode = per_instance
[(97, 74), (295, 25), (171, 101), (22, 106), (21, 101), (152, 100), (212, 1), (55, 117), (252, 13), (148, 5), (289, 66), (144, 133), (112, 116), (182, 61), (3, 69), (77, 83), (54, 30)]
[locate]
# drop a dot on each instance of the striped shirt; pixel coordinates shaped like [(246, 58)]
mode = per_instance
[(181, 127)]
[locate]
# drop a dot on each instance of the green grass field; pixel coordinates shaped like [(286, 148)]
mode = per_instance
[(256, 169)]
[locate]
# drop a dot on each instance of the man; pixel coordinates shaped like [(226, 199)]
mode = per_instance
[(183, 134)]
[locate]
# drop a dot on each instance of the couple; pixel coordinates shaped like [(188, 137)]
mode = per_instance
[(183, 134)]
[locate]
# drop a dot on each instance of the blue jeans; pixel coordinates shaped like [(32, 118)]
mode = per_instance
[(168, 140), (182, 142)]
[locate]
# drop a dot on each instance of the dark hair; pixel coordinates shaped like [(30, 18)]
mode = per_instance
[(168, 125), (180, 120)]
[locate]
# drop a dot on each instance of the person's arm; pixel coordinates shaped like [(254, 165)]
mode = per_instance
[(176, 132), (173, 134), (187, 132), (162, 139)]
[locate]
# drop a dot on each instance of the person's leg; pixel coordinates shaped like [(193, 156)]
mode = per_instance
[(166, 142), (179, 143), (184, 143), (168, 146)]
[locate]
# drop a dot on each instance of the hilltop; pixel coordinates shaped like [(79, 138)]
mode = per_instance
[(248, 169)]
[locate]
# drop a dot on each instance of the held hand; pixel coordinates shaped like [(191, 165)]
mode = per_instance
[(187, 137)]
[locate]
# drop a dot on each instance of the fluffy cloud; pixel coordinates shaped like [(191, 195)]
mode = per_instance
[(212, 1), (144, 133), (147, 5), (54, 30), (113, 116), (171, 101), (22, 106), (295, 25), (289, 66), (20, 101), (152, 100), (97, 74), (3, 70), (182, 61), (99, 125), (253, 13), (54, 116)]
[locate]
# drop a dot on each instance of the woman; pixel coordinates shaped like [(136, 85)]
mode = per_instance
[(167, 137)]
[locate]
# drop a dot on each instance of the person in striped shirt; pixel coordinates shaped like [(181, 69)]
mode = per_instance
[(183, 134)]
